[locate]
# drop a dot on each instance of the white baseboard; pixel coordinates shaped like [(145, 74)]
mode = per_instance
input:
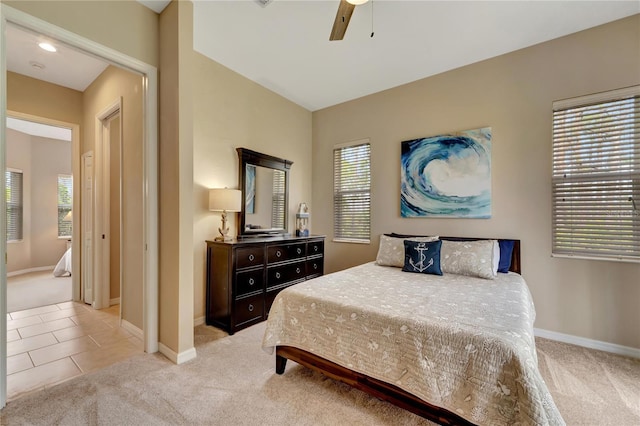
[(115, 301), (26, 271), (198, 321), (132, 329), (588, 343), (177, 358)]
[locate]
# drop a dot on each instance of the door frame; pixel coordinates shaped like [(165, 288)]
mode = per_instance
[(149, 75), (101, 212), (75, 172)]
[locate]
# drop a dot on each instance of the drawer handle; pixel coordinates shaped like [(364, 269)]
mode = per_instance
[(315, 266), (299, 250), (251, 257), (315, 248), (297, 270), (278, 254), (252, 281), (250, 308), (277, 274)]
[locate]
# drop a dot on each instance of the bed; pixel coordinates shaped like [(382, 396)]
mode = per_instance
[(63, 267), (454, 349)]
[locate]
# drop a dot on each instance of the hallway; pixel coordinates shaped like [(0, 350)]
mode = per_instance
[(53, 343)]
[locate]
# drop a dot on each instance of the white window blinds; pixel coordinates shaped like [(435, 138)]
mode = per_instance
[(596, 176), (352, 193), (65, 202), (277, 205), (13, 189)]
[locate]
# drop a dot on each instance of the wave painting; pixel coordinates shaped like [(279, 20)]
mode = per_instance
[(447, 176)]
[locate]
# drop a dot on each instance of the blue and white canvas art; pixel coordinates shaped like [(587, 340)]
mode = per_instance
[(447, 175)]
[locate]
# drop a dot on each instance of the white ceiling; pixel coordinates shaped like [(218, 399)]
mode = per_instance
[(285, 46), (66, 67), (38, 129)]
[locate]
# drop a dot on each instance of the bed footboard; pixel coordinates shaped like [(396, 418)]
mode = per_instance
[(369, 385)]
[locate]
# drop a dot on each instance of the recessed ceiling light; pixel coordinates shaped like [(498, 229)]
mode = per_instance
[(47, 46)]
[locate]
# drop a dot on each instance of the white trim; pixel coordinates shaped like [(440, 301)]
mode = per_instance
[(609, 95), (26, 271), (352, 143), (3, 207), (101, 213), (177, 358), (588, 343), (198, 321), (115, 301), (132, 329), (350, 241)]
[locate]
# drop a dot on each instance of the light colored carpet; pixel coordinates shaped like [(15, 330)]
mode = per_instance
[(232, 382), (36, 289)]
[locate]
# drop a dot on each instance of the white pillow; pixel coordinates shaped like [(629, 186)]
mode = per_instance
[(472, 258), (496, 257), (391, 249)]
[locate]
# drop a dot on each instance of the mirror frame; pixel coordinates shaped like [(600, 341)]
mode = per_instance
[(247, 156)]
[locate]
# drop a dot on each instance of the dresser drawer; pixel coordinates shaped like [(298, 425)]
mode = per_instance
[(249, 282), (249, 256), (315, 247), (278, 275), (315, 266), (282, 252), (249, 309)]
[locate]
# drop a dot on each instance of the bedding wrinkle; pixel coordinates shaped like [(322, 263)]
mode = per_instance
[(462, 343)]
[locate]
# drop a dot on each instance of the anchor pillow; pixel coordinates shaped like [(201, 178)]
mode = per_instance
[(422, 257)]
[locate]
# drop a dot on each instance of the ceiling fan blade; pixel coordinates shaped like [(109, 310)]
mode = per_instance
[(343, 16)]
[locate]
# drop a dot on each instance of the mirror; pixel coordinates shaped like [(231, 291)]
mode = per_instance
[(264, 181)]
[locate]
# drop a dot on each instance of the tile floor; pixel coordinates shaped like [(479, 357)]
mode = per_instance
[(51, 344)]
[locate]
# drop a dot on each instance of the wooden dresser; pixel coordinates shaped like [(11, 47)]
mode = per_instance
[(244, 277)]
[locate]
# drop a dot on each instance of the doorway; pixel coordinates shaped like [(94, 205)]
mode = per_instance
[(41, 222), (149, 199)]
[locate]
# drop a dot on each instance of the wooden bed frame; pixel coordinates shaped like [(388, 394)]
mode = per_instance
[(375, 387)]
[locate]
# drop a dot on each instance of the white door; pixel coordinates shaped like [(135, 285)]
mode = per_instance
[(87, 227)]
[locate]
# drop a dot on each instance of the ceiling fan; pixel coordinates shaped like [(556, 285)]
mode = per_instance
[(343, 16)]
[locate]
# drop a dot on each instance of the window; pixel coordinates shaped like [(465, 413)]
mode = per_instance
[(277, 205), (13, 190), (65, 202), (596, 176), (352, 192)]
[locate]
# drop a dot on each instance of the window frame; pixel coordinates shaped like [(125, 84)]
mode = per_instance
[(612, 179), (20, 236), (58, 204), (337, 235)]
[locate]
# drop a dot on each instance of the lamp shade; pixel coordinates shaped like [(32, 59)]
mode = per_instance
[(221, 199), (68, 217), (357, 2)]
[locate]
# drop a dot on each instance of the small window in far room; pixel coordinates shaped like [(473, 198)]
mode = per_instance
[(352, 192), (13, 191), (65, 202), (596, 176)]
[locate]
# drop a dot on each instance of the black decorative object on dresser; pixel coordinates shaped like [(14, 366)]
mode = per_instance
[(244, 277)]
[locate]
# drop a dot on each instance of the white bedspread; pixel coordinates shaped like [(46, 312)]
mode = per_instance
[(63, 267), (461, 343)]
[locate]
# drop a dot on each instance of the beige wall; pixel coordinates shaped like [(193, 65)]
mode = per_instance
[(112, 84), (49, 158), (176, 178), (36, 97), (229, 112), (41, 161), (513, 94)]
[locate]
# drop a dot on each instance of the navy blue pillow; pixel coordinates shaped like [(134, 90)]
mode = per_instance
[(506, 248), (423, 257)]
